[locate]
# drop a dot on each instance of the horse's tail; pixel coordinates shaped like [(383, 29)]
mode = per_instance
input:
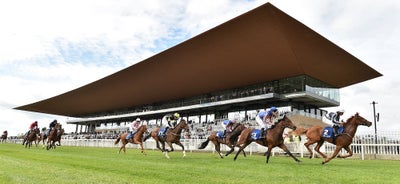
[(117, 141), (234, 136), (147, 137), (300, 131), (204, 144)]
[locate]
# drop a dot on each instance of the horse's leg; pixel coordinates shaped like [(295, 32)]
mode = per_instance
[(241, 148), (268, 154), (142, 148), (122, 148), (158, 145), (230, 151), (350, 153), (165, 150), (307, 145), (218, 148), (283, 146), (319, 144), (338, 148), (183, 148)]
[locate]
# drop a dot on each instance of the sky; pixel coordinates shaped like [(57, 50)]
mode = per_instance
[(50, 47)]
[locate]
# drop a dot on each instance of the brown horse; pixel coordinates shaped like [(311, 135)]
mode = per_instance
[(53, 135), (273, 138), (4, 136), (230, 140), (173, 136), (137, 139), (314, 135), (31, 137), (58, 138)]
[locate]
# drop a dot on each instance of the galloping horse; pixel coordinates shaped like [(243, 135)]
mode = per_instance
[(42, 136), (272, 139), (230, 140), (31, 137), (137, 139), (4, 136), (314, 135), (53, 135), (173, 136)]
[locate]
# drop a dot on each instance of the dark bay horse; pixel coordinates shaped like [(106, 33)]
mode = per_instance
[(4, 136), (53, 136), (137, 139), (230, 140), (173, 136), (273, 138), (314, 135), (32, 136), (58, 138)]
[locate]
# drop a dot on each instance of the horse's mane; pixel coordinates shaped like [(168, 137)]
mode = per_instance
[(349, 119)]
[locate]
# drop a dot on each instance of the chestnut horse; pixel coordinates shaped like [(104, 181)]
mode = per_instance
[(31, 137), (173, 136), (136, 139), (314, 135), (53, 136), (272, 139), (230, 140)]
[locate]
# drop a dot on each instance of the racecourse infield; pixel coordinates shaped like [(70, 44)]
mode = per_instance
[(104, 165)]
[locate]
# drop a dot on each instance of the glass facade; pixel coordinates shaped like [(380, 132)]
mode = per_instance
[(301, 83)]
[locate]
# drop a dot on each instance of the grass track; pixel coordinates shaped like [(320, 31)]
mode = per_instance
[(105, 165)]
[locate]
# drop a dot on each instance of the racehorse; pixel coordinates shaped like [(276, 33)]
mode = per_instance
[(42, 137), (173, 136), (314, 135), (53, 135), (4, 136), (272, 139), (137, 139), (31, 137), (230, 140), (58, 138)]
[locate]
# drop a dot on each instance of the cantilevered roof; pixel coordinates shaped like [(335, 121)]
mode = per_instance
[(261, 45)]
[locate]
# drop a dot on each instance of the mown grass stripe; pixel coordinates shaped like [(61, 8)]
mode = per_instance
[(105, 165)]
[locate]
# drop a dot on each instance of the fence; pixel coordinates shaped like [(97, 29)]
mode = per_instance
[(386, 146)]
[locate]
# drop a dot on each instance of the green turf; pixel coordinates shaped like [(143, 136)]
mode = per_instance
[(105, 165)]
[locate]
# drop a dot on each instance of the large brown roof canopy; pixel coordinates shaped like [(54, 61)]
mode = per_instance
[(261, 45)]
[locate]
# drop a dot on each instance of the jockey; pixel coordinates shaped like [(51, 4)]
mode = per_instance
[(335, 118), (134, 127), (227, 125), (263, 125), (270, 117), (31, 128), (170, 120), (5, 132), (51, 126)]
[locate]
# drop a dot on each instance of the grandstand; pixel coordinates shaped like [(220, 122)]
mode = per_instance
[(219, 72)]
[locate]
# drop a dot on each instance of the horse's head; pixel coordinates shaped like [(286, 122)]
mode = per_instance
[(144, 129), (359, 120), (58, 126), (183, 125), (36, 130), (284, 121)]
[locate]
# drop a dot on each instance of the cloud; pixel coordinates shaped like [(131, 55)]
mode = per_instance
[(51, 47)]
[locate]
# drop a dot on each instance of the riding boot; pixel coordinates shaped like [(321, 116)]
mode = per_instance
[(262, 132), (165, 131), (335, 130)]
